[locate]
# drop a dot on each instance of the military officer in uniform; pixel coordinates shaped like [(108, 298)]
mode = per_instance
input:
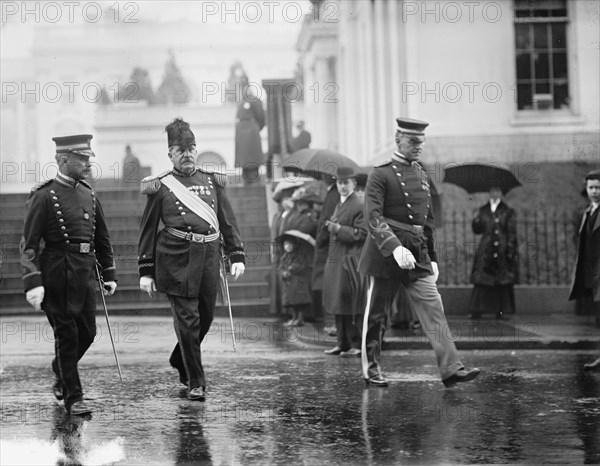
[(183, 258), (400, 248), (60, 279)]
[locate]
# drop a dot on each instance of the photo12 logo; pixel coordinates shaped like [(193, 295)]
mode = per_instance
[(69, 91), (71, 12)]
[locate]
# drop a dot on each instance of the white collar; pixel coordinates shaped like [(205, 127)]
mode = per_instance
[(343, 198)]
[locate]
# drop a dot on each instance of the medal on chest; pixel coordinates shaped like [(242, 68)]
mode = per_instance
[(200, 190)]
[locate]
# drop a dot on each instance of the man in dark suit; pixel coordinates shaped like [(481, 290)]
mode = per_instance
[(586, 277), (400, 247), (347, 232), (60, 280), (183, 259)]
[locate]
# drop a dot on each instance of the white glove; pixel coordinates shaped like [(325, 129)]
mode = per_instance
[(404, 258), (35, 296), (237, 269), (148, 285), (112, 287), (436, 271)]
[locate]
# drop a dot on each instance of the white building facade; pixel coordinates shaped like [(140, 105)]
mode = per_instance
[(506, 81)]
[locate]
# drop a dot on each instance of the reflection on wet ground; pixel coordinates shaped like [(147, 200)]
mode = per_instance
[(278, 403)]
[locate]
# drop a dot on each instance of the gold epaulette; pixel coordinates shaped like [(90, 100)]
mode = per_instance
[(151, 184), (41, 185), (383, 164), (220, 178)]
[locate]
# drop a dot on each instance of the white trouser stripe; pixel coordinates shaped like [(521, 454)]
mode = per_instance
[(363, 347)]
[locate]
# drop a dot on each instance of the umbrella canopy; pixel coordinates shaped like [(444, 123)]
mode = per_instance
[(481, 177), (318, 163)]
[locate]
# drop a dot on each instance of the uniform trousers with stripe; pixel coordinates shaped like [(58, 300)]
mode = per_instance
[(428, 307)]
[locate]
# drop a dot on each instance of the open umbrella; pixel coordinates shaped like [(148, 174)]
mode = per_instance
[(318, 163), (481, 177)]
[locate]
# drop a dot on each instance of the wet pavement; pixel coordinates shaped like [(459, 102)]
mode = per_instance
[(279, 400)]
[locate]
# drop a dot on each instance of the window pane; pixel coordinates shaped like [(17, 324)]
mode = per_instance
[(559, 65), (523, 66), (560, 13), (559, 37), (542, 66), (542, 88), (524, 101), (522, 36), (540, 36), (561, 96)]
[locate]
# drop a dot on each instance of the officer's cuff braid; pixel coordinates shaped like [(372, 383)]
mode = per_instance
[(237, 257)]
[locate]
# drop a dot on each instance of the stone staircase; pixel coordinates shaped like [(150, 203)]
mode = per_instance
[(123, 207)]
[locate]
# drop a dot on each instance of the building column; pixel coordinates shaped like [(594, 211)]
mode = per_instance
[(394, 56), (381, 90), (320, 121)]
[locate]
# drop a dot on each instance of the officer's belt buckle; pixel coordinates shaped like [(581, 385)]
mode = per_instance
[(198, 238), (84, 248)]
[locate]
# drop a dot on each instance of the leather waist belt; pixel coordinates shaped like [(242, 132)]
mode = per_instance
[(193, 237), (404, 226), (81, 248)]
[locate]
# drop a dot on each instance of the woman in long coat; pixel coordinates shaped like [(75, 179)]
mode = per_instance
[(347, 233), (496, 263)]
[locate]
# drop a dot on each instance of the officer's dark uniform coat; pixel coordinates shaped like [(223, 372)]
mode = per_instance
[(178, 265), (65, 213), (398, 195)]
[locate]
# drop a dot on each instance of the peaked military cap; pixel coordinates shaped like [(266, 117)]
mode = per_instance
[(76, 144), (411, 126), (180, 134)]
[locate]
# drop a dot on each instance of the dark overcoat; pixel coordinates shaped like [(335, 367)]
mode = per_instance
[(65, 213), (250, 120), (294, 272), (397, 198), (322, 237), (591, 252), (348, 241), (178, 265), (496, 260)]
